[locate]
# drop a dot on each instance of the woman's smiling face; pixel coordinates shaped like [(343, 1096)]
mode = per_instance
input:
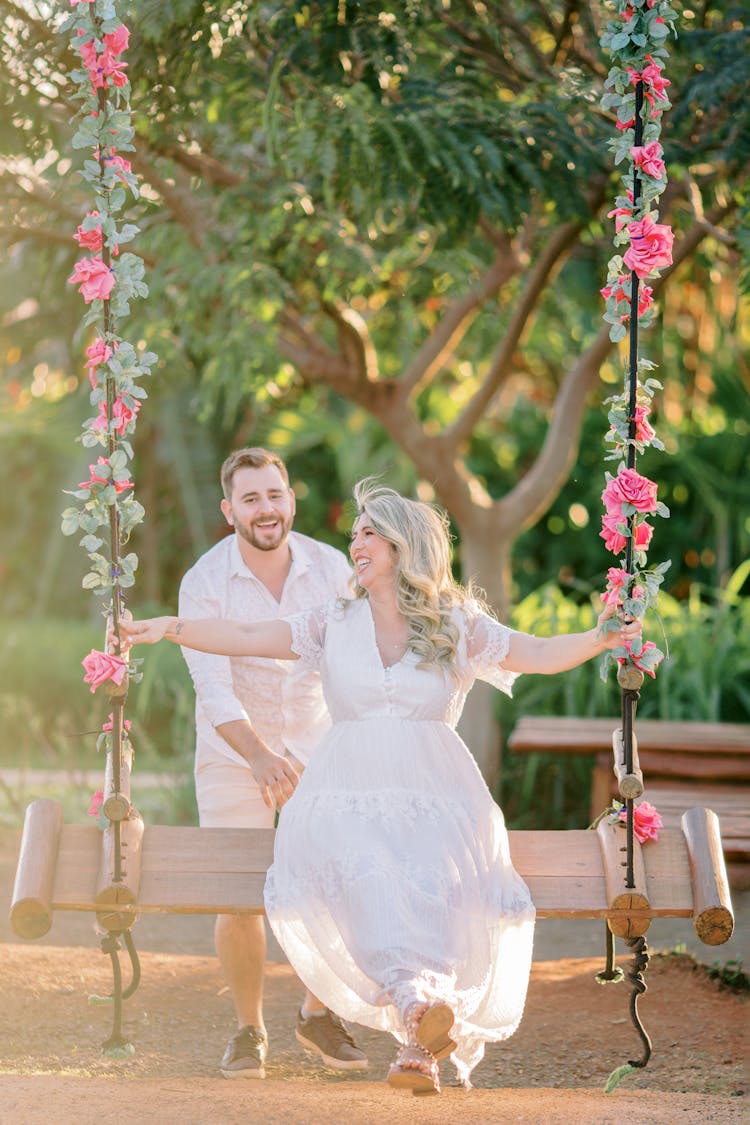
[(374, 558)]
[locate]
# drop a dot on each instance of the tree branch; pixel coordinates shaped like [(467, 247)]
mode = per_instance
[(199, 163), (311, 356), (454, 324), (432, 459), (355, 341), (543, 269), (13, 234)]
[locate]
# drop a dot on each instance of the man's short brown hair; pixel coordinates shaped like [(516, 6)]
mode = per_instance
[(252, 458)]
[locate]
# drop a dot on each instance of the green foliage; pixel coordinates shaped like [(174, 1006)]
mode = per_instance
[(722, 42), (705, 677), (729, 976)]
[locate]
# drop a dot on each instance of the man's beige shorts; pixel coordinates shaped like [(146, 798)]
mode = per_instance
[(228, 796)]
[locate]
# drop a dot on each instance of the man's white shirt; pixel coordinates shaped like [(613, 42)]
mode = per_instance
[(282, 699)]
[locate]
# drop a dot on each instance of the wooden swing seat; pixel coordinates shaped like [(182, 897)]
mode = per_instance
[(183, 870)]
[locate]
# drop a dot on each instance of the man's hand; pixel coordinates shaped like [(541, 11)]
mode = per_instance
[(276, 777)]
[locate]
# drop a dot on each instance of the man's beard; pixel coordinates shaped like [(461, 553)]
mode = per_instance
[(265, 542)]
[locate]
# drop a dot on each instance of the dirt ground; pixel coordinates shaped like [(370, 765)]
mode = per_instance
[(574, 1033)]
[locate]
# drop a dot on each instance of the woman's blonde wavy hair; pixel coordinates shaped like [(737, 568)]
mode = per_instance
[(426, 591)]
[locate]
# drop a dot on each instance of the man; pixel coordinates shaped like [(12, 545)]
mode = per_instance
[(257, 722)]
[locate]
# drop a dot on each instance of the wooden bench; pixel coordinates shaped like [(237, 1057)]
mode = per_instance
[(684, 765)]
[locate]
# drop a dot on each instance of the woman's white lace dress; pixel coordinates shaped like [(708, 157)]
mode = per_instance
[(391, 877)]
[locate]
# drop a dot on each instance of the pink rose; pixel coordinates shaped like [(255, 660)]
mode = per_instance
[(652, 79), (649, 159), (95, 474), (620, 289), (646, 822), (87, 51), (654, 85), (89, 239), (643, 660), (102, 476), (117, 41), (650, 246), (124, 415), (629, 487), (112, 160), (103, 666), (623, 125), (121, 414), (108, 727), (112, 67), (643, 533), (645, 298), (644, 431), (98, 352), (96, 802), (101, 422), (622, 215), (614, 540), (617, 288), (617, 581), (95, 280)]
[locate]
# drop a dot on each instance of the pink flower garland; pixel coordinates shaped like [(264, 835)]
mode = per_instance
[(107, 280), (629, 497), (649, 242)]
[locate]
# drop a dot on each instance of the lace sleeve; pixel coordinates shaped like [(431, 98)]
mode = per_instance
[(487, 644), (309, 634)]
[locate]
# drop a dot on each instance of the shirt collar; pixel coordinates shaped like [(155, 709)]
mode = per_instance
[(301, 558)]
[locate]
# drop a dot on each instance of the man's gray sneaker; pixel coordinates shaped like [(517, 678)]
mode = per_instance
[(245, 1054), (327, 1037)]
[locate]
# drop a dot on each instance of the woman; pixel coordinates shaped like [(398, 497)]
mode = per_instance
[(392, 891)]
